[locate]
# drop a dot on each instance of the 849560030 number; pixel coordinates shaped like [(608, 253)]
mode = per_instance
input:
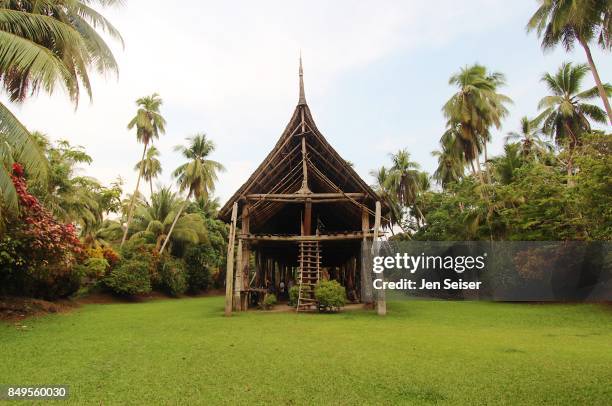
[(15, 392)]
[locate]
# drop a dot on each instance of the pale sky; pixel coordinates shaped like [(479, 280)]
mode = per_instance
[(376, 76)]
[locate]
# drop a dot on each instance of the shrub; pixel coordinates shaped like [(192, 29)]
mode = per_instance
[(173, 278), (110, 256), (38, 253), (330, 295), (93, 268), (197, 260), (137, 249), (294, 293), (269, 300), (131, 277)]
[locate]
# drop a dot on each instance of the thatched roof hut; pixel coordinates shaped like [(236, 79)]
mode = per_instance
[(304, 213)]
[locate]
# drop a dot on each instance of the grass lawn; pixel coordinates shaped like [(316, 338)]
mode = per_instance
[(185, 351)]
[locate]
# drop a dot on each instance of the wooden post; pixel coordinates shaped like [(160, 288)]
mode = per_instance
[(381, 304), (239, 279), (307, 218), (229, 272), (246, 253), (366, 275)]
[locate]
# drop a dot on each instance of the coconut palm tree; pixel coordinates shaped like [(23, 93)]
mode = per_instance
[(45, 43), (571, 21), (451, 162), (149, 125), (383, 188), (475, 108), (206, 205), (565, 116), (51, 42), (405, 182), (153, 221), (197, 176), (102, 234), (506, 164), (532, 145), (152, 166), (404, 177)]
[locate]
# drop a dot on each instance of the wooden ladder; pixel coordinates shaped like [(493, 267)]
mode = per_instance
[(309, 274)]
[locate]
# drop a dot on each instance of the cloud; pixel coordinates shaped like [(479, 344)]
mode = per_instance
[(230, 69)]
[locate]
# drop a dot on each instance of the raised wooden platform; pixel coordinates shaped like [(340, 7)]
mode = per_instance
[(357, 235)]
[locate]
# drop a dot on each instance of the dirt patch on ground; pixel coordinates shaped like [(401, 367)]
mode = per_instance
[(285, 308), (19, 308), (14, 309)]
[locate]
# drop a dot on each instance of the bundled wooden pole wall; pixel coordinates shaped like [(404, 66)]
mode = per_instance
[(229, 272), (238, 279), (366, 275)]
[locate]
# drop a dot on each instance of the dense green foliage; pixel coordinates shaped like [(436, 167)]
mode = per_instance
[(528, 199), (294, 293), (198, 259), (330, 295), (130, 278), (269, 301), (173, 277)]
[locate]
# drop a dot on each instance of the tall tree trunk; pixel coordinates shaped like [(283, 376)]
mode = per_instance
[(473, 168), (151, 185), (486, 162), (173, 224), (477, 155), (570, 160), (131, 208), (602, 91)]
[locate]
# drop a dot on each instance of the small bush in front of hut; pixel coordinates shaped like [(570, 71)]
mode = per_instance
[(269, 301), (294, 293), (330, 295)]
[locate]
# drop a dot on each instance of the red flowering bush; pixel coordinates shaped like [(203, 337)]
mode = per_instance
[(50, 248)]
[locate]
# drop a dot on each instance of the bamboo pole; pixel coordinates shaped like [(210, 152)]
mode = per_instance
[(229, 273)]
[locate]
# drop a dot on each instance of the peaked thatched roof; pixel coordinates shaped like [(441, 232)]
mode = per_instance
[(281, 173)]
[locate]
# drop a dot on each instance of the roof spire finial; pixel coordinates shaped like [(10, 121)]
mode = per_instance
[(302, 99)]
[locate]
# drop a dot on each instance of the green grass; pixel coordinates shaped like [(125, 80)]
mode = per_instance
[(185, 351)]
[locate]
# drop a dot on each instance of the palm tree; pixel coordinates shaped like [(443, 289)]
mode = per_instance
[(404, 181), (383, 188), (506, 164), (529, 138), (50, 42), (565, 114), (198, 175), (152, 221), (102, 234), (45, 43), (152, 166), (404, 177), (149, 125), (451, 162), (206, 205), (568, 21), (475, 108)]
